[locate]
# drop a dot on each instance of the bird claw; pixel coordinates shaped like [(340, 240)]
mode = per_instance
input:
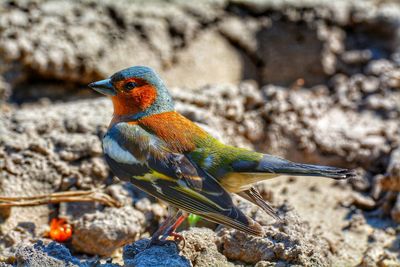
[(178, 238), (173, 237)]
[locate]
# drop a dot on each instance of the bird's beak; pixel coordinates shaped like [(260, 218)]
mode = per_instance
[(104, 87)]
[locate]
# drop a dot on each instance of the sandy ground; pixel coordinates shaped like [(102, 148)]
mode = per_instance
[(318, 201)]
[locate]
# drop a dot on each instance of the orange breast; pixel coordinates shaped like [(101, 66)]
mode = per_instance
[(177, 131)]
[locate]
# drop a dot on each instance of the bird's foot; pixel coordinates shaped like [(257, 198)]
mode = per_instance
[(173, 237), (177, 238)]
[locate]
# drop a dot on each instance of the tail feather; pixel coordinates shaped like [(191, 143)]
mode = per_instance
[(317, 170), (281, 166), (274, 165), (245, 173)]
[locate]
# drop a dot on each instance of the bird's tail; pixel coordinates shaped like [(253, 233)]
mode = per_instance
[(271, 166), (245, 173), (281, 166)]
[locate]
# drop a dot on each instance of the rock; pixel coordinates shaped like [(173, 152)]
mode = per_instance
[(377, 256), (227, 109), (204, 62), (11, 241), (356, 56), (201, 248), (60, 45), (137, 255), (241, 31), (362, 181), (290, 241), (36, 154), (363, 202), (40, 255), (52, 254), (101, 233), (357, 223), (379, 67), (317, 127), (88, 41), (390, 181)]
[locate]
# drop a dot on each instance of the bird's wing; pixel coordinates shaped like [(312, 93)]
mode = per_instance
[(142, 158)]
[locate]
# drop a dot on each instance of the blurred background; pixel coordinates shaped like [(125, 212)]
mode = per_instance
[(313, 81)]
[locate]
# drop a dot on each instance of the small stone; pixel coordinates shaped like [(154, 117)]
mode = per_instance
[(363, 202)]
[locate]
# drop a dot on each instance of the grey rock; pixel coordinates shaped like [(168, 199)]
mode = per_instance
[(311, 129), (376, 255), (101, 233), (89, 40), (137, 255), (379, 67), (52, 254), (201, 249), (40, 255), (35, 154), (290, 242)]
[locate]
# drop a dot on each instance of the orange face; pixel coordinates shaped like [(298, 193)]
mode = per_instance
[(133, 95)]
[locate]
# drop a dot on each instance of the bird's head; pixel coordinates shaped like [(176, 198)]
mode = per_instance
[(136, 92)]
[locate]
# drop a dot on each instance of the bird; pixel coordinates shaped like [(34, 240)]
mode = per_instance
[(166, 155)]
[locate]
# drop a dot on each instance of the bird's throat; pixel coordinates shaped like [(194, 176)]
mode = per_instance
[(123, 106), (138, 100)]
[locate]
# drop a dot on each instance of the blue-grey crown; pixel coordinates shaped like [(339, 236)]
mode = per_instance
[(142, 72)]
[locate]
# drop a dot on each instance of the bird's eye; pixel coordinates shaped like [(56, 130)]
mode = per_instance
[(129, 86)]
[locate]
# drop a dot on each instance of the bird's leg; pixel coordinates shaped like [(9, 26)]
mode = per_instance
[(170, 221), (170, 232)]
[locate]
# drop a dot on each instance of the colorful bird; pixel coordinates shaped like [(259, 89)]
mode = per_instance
[(168, 156)]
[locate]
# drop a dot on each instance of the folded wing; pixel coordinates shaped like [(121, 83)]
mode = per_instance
[(143, 159)]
